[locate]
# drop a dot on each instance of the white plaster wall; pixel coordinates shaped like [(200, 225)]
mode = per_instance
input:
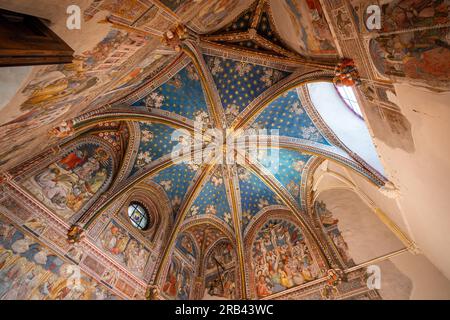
[(11, 80), (366, 236), (409, 276), (405, 276), (423, 175)]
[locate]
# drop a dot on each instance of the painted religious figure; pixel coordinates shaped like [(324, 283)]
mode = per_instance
[(309, 23), (220, 285), (222, 254), (220, 272), (124, 248), (177, 284), (186, 246), (281, 258), (29, 271), (66, 185)]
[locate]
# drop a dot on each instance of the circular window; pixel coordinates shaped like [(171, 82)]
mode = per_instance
[(138, 215)]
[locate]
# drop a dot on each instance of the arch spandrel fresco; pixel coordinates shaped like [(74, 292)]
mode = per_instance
[(77, 178), (117, 242), (186, 246), (280, 258)]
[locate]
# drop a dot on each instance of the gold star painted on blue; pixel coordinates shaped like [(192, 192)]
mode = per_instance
[(182, 94), (300, 124)]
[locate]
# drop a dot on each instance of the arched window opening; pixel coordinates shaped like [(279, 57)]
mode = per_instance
[(348, 95)]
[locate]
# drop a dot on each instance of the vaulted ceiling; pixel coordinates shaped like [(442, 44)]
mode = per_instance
[(243, 75)]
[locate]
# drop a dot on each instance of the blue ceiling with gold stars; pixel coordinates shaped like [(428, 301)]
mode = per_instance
[(255, 195), (212, 200), (182, 94), (288, 169), (175, 181), (156, 141), (287, 115), (239, 83)]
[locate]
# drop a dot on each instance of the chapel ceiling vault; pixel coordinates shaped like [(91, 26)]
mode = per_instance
[(235, 80)]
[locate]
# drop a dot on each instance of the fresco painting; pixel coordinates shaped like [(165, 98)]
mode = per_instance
[(281, 259), (178, 282), (222, 254), (220, 285), (214, 13), (186, 246), (406, 14), (220, 282), (330, 223), (124, 248), (66, 185), (309, 23), (30, 271), (125, 9), (422, 55), (60, 91)]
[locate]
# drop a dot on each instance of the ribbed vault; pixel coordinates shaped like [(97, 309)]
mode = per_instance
[(250, 85)]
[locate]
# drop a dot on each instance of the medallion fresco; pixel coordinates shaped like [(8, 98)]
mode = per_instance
[(280, 258), (124, 248), (30, 271), (68, 184), (178, 282), (287, 115)]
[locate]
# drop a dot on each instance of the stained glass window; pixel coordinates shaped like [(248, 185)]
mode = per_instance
[(138, 216)]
